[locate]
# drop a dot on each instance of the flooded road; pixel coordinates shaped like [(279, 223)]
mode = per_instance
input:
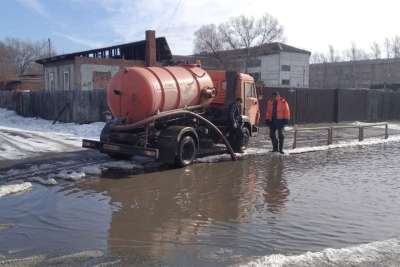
[(215, 214)]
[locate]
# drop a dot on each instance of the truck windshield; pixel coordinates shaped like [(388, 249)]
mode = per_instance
[(249, 90)]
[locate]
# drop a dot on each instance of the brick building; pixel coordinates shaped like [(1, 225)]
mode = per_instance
[(26, 82)]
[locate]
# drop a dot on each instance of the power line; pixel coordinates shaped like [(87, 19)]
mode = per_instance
[(173, 15)]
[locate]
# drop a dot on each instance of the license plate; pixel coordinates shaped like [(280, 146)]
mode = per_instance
[(111, 147)]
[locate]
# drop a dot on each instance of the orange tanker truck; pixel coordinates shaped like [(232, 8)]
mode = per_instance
[(176, 113)]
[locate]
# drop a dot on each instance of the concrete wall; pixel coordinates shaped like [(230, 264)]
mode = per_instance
[(299, 69), (355, 74), (87, 71), (269, 70), (272, 74)]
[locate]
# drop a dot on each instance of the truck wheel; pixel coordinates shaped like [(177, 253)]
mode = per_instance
[(187, 151)]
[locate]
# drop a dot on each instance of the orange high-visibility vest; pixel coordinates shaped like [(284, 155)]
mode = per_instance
[(282, 109)]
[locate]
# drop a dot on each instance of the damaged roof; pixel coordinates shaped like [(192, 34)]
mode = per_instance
[(129, 51)]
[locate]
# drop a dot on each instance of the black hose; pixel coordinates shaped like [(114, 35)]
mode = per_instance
[(179, 112)]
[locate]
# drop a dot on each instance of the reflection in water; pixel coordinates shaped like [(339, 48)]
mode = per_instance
[(160, 211), (216, 214), (276, 188)]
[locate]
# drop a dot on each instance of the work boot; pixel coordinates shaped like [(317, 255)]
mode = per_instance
[(281, 146)]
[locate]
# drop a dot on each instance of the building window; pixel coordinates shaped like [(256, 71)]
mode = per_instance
[(285, 67), (285, 82), (66, 80), (52, 84)]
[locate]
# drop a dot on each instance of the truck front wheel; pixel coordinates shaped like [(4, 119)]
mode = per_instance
[(187, 151)]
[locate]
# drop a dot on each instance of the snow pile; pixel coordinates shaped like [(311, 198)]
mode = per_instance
[(70, 175), (95, 170), (9, 119), (49, 181), (122, 165), (14, 188), (380, 253)]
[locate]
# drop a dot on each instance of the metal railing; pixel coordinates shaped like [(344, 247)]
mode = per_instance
[(331, 130)]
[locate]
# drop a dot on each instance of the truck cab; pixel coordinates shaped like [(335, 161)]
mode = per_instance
[(229, 86)]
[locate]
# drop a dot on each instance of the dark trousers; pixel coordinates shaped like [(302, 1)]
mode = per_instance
[(276, 143)]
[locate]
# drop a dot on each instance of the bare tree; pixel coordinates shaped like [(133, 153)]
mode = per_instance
[(354, 53), (239, 33), (396, 47), (246, 32), (388, 50), (18, 57), (376, 50), (269, 29), (318, 58), (208, 40), (333, 55)]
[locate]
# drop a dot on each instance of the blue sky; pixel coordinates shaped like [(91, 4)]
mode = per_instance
[(75, 25)]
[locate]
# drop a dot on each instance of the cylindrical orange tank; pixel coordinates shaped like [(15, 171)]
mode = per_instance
[(137, 93)]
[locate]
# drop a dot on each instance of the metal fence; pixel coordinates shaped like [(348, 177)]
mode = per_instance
[(331, 129), (337, 105), (307, 105)]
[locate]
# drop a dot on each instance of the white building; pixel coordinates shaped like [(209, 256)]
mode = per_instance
[(273, 64), (283, 67)]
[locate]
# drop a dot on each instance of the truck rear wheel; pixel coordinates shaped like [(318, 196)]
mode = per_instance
[(187, 151)]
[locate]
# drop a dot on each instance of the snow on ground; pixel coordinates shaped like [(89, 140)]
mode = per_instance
[(40, 180), (380, 253), (22, 137), (265, 150), (14, 188), (9, 119)]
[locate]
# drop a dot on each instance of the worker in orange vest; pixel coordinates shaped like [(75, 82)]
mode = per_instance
[(276, 117)]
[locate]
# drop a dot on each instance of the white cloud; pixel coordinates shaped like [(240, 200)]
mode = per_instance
[(310, 24), (35, 5), (80, 40)]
